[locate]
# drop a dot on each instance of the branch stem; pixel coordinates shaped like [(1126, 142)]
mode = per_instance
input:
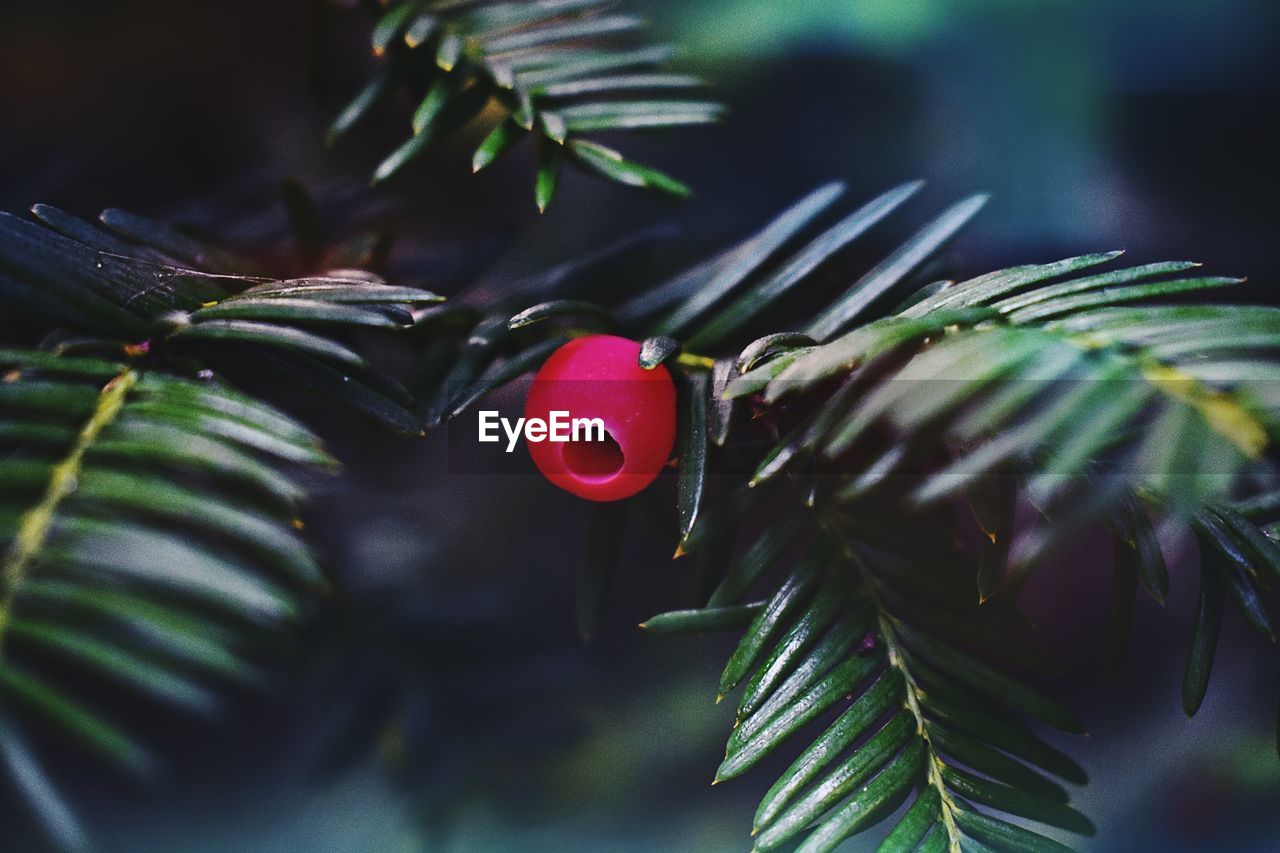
[(898, 661), (36, 523), (695, 361)]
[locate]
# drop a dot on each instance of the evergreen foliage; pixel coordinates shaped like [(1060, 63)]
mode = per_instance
[(556, 69), (149, 509), (1042, 384)]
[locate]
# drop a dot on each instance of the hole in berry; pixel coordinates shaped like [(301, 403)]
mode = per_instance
[(593, 460)]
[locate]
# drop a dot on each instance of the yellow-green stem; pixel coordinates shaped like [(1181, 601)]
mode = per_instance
[(947, 804), (695, 361), (36, 523), (913, 692)]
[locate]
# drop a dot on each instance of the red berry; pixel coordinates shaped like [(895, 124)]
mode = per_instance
[(598, 377)]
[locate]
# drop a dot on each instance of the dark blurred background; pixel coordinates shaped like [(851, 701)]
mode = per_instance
[(450, 643)]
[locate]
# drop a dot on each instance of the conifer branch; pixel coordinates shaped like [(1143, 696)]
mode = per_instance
[(555, 71), (34, 526), (912, 697), (149, 513)]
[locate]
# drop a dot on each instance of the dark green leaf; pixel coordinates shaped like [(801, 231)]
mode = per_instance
[(878, 797), (162, 394), (48, 398), (762, 554), (114, 663), (1010, 737), (652, 300), (996, 685), (763, 375), (393, 23), (52, 706), (853, 772), (749, 255), (1014, 801), (64, 270), (166, 561), (166, 629), (269, 334), (500, 140), (982, 758), (703, 619), (1234, 565), (433, 103), (276, 542), (450, 49), (915, 823), (692, 449), (557, 309), (761, 295), (588, 64), (612, 165), (544, 188), (848, 727), (863, 345), (478, 351), (894, 268), (831, 603), (988, 288), (171, 445), (458, 112), (487, 17), (423, 27), (505, 371), (762, 348), (793, 709), (1088, 283), (793, 593), (1005, 836), (377, 397), (1204, 638), (90, 234), (1133, 527), (45, 362), (837, 651), (379, 84), (616, 83), (234, 429), (577, 28), (1114, 296), (1262, 551), (303, 311), (621, 115), (341, 290)]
